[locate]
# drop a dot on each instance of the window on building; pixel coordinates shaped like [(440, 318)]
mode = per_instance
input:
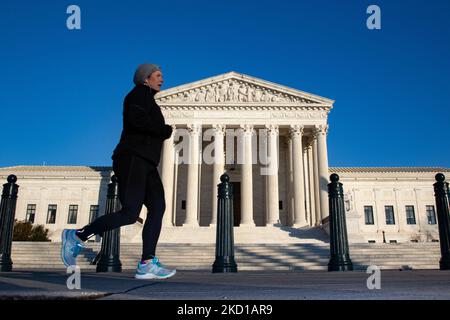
[(73, 212), (389, 210), (183, 204), (93, 213), (31, 212), (51, 214), (431, 215), (280, 205), (410, 216), (368, 214)]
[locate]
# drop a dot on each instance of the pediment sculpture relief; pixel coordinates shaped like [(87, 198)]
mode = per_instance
[(232, 91)]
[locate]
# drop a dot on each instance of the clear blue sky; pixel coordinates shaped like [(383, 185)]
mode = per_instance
[(61, 91)]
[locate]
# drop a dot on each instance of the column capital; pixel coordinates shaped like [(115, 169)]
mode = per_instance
[(306, 147), (287, 141), (273, 128), (321, 129), (296, 131), (194, 128), (219, 128), (172, 136), (246, 130), (311, 139), (246, 127)]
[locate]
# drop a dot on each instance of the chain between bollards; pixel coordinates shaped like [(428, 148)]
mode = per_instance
[(441, 194), (224, 238), (109, 260), (339, 251), (7, 215)]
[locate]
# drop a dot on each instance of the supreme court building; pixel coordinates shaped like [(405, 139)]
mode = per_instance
[(229, 112)]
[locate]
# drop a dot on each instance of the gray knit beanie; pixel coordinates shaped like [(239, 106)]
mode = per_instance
[(144, 71)]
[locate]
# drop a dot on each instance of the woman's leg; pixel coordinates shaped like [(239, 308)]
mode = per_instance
[(156, 205), (132, 173)]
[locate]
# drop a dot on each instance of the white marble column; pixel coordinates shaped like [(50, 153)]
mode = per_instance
[(272, 177), (306, 184), (290, 182), (247, 177), (175, 183), (218, 166), (167, 178), (322, 154), (316, 179), (296, 133), (193, 176), (314, 221)]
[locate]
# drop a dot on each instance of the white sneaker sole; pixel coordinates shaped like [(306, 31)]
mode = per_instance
[(152, 276)]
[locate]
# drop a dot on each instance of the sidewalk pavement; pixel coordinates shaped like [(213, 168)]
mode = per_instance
[(244, 285)]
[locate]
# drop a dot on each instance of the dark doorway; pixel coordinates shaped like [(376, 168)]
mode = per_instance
[(236, 203)]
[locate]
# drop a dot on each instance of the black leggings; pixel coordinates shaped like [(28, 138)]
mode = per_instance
[(139, 183)]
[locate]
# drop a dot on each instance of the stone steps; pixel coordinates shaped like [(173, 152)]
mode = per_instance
[(248, 257), (199, 250), (267, 255)]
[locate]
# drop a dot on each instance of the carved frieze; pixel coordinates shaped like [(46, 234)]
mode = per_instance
[(232, 91)]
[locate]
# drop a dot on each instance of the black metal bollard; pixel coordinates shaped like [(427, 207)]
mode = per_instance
[(339, 252), (224, 238), (109, 260), (441, 194), (7, 214)]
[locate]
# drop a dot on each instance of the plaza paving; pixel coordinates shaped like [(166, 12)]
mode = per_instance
[(244, 285)]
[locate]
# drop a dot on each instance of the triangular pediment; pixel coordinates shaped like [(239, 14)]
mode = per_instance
[(237, 89)]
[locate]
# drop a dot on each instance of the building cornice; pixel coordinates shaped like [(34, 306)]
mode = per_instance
[(348, 173), (387, 169)]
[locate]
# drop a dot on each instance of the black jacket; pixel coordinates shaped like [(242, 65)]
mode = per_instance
[(144, 128)]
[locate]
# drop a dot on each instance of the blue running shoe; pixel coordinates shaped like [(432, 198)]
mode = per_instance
[(153, 270), (71, 247)]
